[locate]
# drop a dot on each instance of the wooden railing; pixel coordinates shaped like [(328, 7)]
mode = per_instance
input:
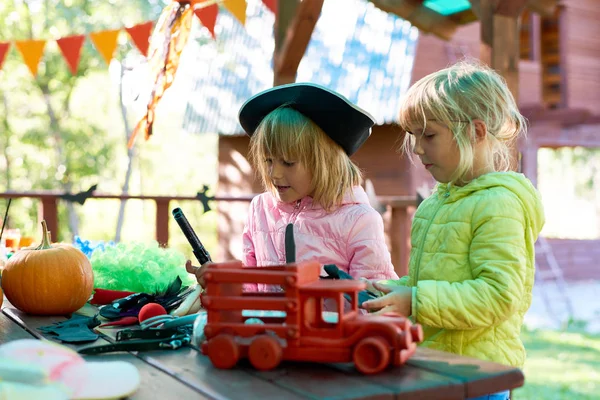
[(398, 207)]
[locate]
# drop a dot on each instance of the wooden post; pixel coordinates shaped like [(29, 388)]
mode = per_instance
[(162, 222), (400, 223), (529, 160), (500, 42), (50, 215)]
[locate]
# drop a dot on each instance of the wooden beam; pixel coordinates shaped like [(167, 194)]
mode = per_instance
[(510, 8), (420, 16), (294, 26), (286, 11), (565, 117), (507, 7), (545, 8), (500, 42), (464, 17)]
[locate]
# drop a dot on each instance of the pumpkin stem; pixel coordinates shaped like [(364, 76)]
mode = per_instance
[(45, 238)]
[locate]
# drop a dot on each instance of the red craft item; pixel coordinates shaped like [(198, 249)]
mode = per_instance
[(151, 310), (105, 296), (372, 343), (125, 321)]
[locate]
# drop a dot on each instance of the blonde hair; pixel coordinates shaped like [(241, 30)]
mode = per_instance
[(287, 134), (455, 97)]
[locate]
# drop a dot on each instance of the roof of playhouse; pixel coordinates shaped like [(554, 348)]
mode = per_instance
[(356, 49)]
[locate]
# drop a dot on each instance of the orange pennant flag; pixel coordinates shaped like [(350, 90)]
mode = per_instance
[(32, 51), (237, 8), (106, 43), (208, 16), (140, 34), (271, 5), (4, 46), (70, 46)]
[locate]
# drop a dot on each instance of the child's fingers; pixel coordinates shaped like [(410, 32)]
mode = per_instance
[(198, 272), (377, 303), (190, 268), (384, 310), (369, 284), (383, 287)]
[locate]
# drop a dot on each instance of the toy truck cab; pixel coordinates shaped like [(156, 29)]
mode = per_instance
[(308, 319)]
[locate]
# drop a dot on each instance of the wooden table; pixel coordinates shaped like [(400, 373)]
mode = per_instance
[(187, 374)]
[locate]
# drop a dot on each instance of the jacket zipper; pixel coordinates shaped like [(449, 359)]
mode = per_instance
[(296, 212), (418, 263)]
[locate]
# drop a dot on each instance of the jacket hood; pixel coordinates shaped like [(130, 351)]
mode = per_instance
[(515, 182)]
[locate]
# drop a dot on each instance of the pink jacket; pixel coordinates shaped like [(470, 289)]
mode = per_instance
[(350, 237)]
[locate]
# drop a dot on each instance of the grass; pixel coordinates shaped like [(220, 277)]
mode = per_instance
[(560, 365)]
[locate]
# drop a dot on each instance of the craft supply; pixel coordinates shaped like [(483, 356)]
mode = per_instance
[(139, 267), (199, 251), (151, 310), (41, 364)]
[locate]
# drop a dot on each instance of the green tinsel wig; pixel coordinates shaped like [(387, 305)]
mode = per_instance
[(138, 267)]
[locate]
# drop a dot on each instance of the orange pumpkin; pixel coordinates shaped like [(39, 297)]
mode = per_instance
[(50, 279)]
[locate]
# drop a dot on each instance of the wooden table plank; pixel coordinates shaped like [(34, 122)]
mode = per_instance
[(10, 331), (186, 365), (480, 377), (193, 367), (299, 381), (428, 374), (317, 381), (235, 384), (409, 382), (154, 383)]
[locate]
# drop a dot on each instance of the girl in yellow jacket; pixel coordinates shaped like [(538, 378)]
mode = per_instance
[(471, 266)]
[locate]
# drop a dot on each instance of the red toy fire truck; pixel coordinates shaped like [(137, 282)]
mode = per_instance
[(372, 343)]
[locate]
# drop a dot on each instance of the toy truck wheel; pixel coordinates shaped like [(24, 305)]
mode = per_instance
[(371, 355), (265, 353), (223, 351)]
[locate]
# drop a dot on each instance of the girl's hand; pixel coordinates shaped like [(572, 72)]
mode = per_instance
[(370, 286), (197, 271), (398, 299)]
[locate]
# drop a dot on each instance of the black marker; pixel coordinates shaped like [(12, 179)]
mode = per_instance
[(199, 251)]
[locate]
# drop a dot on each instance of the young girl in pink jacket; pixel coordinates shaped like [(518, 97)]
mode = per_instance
[(301, 138)]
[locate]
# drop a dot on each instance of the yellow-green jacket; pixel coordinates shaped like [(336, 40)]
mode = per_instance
[(472, 266)]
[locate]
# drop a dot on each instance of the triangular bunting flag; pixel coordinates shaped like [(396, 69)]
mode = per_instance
[(208, 16), (4, 46), (106, 43), (140, 35), (70, 47), (32, 51), (271, 5), (237, 8)]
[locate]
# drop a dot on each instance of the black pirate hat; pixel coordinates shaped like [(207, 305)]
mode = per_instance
[(345, 123)]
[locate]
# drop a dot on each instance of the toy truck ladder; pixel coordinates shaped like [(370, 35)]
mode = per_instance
[(224, 298)]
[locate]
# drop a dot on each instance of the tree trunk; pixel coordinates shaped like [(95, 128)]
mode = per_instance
[(61, 158), (6, 144), (130, 157)]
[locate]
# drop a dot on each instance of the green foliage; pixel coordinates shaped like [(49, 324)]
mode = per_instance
[(560, 366), (84, 143)]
